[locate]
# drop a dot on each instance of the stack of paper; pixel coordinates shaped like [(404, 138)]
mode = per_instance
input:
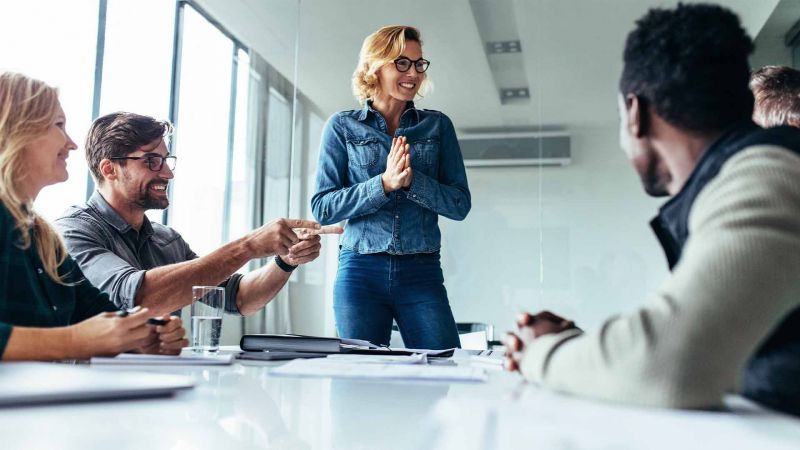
[(325, 367), (186, 359), (419, 358)]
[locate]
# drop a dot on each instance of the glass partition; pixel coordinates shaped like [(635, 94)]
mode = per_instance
[(250, 85), (565, 232)]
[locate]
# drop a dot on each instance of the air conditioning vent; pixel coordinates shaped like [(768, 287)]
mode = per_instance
[(515, 149)]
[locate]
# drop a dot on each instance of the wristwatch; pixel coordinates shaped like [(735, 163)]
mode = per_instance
[(286, 267)]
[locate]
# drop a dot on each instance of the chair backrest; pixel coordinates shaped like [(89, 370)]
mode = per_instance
[(475, 335), (468, 341), (471, 327)]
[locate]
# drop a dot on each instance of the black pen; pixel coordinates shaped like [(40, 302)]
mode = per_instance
[(150, 321)]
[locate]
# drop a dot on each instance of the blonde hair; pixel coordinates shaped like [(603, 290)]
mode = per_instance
[(380, 48), (27, 109)]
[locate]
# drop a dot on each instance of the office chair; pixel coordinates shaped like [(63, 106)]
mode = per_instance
[(466, 327)]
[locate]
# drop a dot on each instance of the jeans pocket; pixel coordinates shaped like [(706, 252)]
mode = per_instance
[(363, 153)]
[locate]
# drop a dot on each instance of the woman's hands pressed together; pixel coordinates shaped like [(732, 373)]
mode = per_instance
[(398, 172)]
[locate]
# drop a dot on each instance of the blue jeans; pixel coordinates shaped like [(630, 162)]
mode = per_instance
[(373, 289)]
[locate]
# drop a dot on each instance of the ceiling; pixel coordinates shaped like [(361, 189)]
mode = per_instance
[(784, 16), (571, 52)]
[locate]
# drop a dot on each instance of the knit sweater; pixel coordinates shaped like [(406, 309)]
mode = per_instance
[(738, 277)]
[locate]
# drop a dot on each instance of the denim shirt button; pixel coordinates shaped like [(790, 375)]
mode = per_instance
[(39, 270), (397, 217)]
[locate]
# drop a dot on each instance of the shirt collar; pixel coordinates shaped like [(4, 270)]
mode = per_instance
[(362, 116), (107, 213)]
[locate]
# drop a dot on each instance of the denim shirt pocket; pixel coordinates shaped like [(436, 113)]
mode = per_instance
[(363, 153), (425, 154)]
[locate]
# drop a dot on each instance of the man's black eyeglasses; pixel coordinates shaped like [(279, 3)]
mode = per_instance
[(403, 64), (154, 162)]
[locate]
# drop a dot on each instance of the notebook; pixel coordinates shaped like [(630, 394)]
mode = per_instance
[(43, 383), (289, 343)]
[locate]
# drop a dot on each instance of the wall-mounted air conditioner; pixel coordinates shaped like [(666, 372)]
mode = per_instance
[(548, 148)]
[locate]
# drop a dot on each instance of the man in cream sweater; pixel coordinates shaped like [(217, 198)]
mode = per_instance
[(731, 230)]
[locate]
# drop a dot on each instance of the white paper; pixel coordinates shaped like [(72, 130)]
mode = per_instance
[(489, 362), (186, 359), (358, 343), (423, 350), (324, 367), (419, 358)]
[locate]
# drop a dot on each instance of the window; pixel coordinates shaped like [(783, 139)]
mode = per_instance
[(64, 58), (137, 57), (240, 217), (279, 143), (137, 60), (201, 136)]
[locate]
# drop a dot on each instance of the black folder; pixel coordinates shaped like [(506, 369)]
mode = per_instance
[(294, 343), (289, 343)]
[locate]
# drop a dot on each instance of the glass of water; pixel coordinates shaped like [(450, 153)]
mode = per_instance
[(208, 303)]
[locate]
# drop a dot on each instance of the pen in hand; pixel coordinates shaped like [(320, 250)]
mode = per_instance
[(150, 321)]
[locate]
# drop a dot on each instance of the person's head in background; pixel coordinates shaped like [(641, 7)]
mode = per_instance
[(777, 93), (685, 81), (34, 147), (128, 157), (390, 66)]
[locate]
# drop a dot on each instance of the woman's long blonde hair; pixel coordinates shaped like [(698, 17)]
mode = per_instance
[(380, 48), (27, 109)]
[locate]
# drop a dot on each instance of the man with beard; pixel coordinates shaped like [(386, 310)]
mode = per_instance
[(730, 231), (138, 262)]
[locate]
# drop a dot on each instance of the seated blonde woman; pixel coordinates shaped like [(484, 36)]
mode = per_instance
[(48, 311)]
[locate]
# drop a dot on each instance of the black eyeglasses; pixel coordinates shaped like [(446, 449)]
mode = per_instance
[(154, 162), (403, 64)]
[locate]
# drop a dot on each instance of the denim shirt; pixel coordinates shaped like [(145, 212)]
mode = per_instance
[(353, 152)]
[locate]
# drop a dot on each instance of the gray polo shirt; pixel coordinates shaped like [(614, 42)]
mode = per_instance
[(114, 256)]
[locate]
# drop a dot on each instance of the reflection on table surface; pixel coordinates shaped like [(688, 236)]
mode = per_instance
[(243, 406)]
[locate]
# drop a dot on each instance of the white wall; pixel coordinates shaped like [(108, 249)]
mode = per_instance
[(599, 256), (770, 50)]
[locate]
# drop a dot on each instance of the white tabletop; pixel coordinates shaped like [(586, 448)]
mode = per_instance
[(244, 406)]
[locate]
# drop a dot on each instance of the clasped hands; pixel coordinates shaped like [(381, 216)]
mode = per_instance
[(398, 172), (530, 327)]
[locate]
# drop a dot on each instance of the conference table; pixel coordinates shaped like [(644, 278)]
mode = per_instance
[(246, 406)]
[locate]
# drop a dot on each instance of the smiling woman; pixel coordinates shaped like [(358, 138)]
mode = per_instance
[(391, 170), (48, 310)]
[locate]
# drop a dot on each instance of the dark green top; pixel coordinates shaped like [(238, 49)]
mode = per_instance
[(30, 298)]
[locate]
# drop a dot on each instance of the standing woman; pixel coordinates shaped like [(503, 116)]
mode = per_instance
[(48, 311), (391, 170)]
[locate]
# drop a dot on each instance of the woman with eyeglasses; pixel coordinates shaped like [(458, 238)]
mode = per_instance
[(391, 169), (48, 311)]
